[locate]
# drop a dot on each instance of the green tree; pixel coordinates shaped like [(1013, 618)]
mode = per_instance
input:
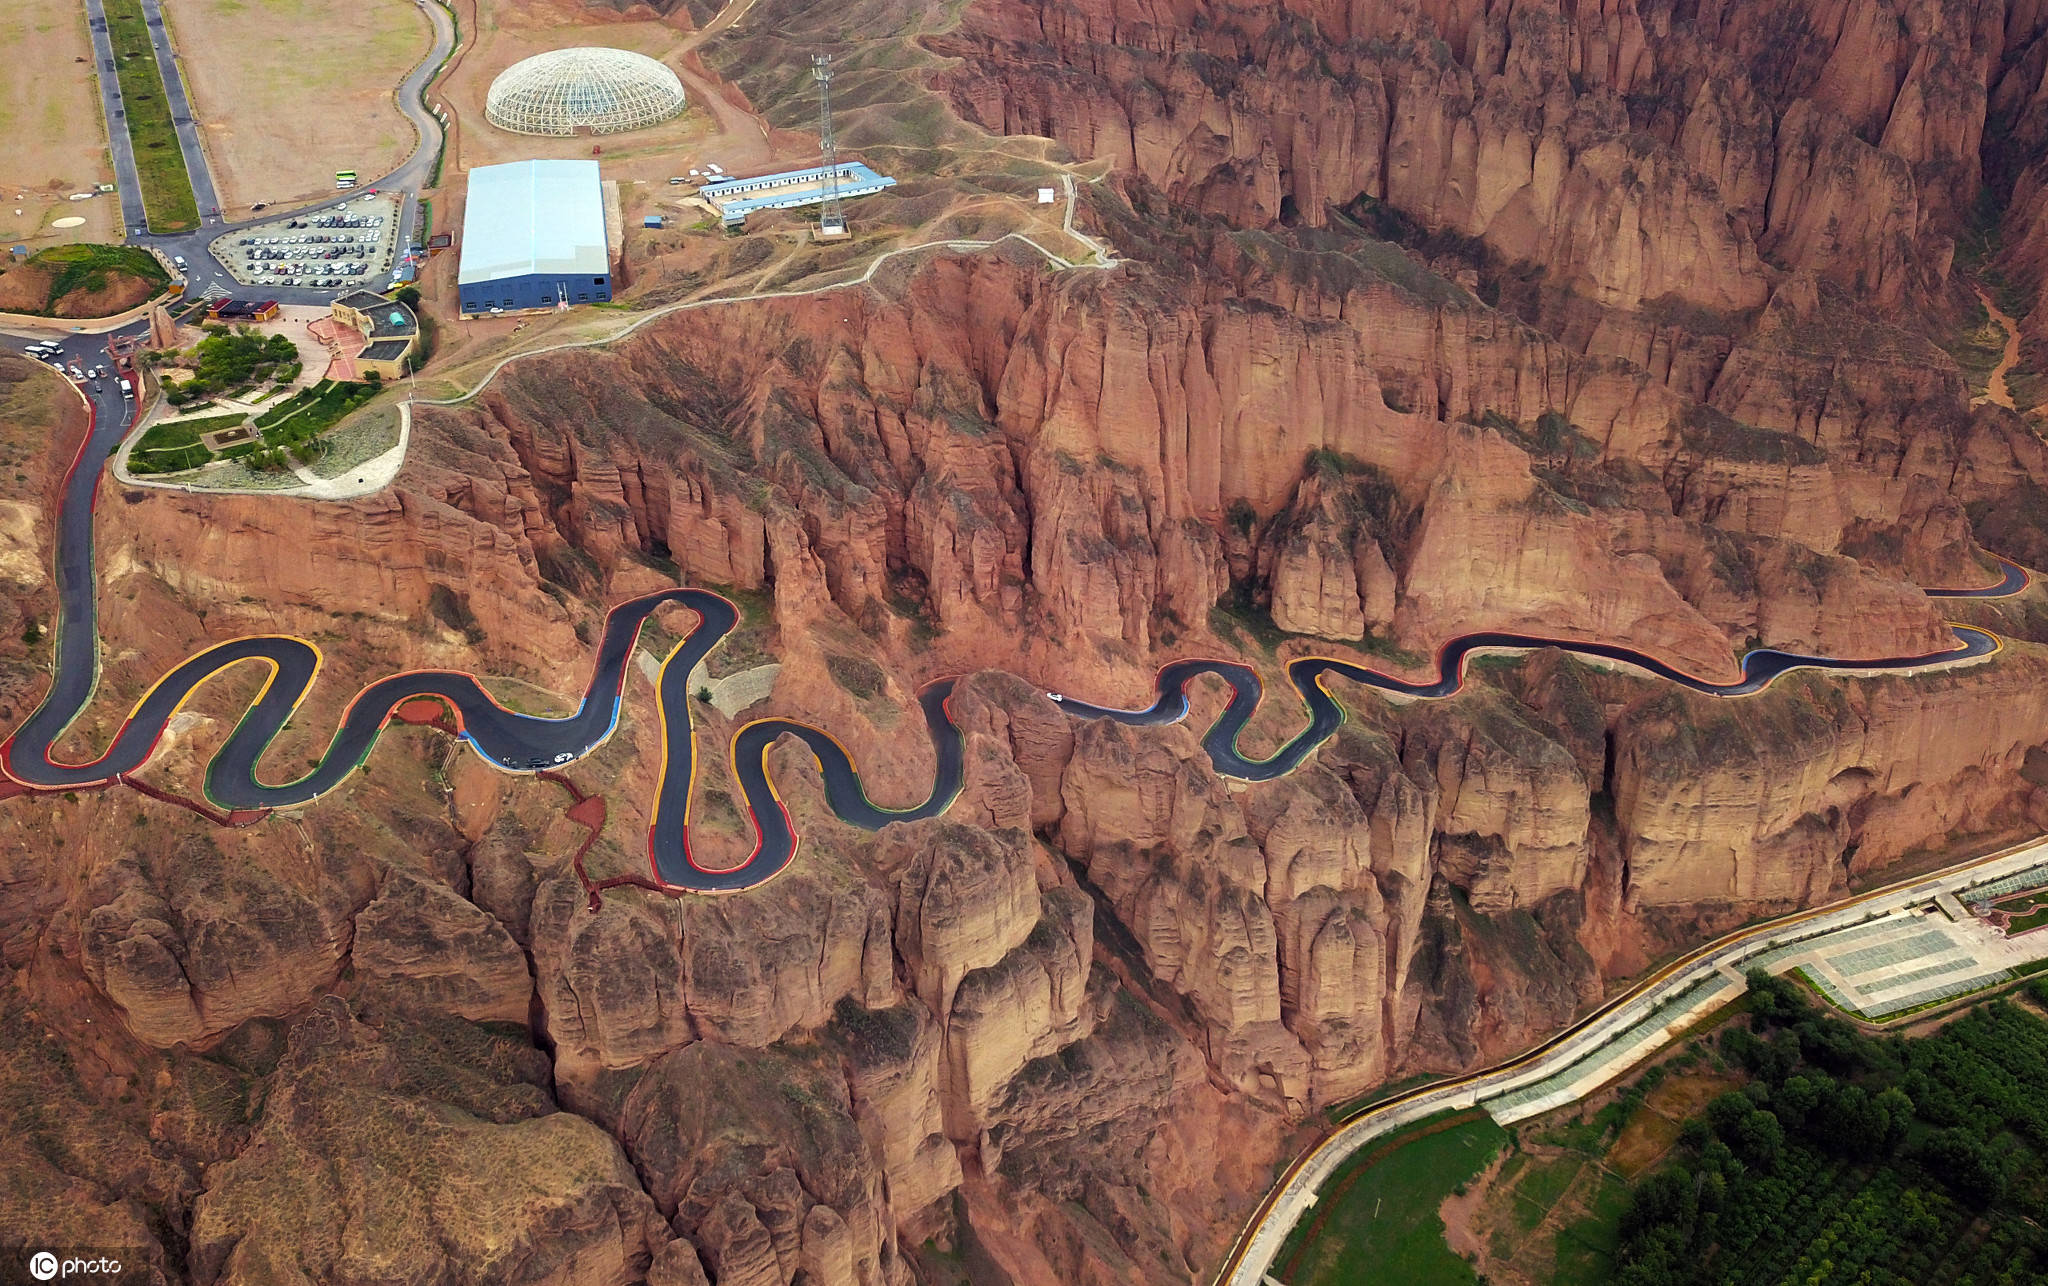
[(1797, 1099), (1965, 1164), (1897, 1107), (1759, 1138)]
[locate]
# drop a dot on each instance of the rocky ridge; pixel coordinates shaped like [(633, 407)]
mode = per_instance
[(1378, 370)]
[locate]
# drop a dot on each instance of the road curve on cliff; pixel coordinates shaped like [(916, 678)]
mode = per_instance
[(528, 743)]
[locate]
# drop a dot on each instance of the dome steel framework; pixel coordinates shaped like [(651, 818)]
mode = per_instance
[(585, 90)]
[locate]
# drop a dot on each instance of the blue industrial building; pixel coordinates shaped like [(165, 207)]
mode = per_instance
[(533, 236), (736, 198)]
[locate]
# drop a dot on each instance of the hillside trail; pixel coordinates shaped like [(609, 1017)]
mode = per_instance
[(733, 11), (1996, 390), (743, 135)]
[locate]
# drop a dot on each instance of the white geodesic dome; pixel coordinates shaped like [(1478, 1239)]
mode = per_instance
[(598, 91)]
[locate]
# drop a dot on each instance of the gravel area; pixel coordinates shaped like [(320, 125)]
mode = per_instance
[(363, 438), (233, 475)]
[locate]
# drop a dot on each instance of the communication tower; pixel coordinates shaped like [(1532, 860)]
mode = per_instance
[(831, 219)]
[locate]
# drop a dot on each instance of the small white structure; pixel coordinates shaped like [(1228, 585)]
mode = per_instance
[(1045, 196)]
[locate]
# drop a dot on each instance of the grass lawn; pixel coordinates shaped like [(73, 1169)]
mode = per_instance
[(84, 265), (1378, 1223), (206, 424), (2033, 919), (168, 448), (1585, 1248), (1540, 1187), (313, 410), (2028, 910), (173, 448), (159, 164), (291, 430)]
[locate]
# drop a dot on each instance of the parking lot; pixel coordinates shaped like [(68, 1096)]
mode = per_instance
[(343, 246)]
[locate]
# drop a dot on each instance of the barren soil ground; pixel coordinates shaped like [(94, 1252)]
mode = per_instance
[(26, 289), (507, 32), (289, 91), (1996, 387), (56, 135), (1526, 1219)]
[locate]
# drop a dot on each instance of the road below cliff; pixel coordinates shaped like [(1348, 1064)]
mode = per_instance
[(1606, 1044)]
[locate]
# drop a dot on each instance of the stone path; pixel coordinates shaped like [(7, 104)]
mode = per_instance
[(729, 695)]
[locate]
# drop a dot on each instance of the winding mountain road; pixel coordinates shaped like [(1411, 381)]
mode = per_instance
[(527, 743)]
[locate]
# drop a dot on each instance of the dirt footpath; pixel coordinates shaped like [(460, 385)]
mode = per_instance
[(289, 91)]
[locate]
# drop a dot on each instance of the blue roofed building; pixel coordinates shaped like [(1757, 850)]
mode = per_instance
[(736, 198), (533, 236)]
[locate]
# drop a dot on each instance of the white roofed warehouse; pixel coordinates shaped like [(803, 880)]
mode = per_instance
[(533, 236), (583, 91)]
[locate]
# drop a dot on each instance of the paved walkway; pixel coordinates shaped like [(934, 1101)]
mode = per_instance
[(730, 695), (339, 346)]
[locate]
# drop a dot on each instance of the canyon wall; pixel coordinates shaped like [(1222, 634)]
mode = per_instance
[(988, 464), (1606, 322)]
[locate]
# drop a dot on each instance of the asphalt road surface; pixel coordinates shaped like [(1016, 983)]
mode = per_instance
[(203, 272), (182, 119), (1759, 668), (512, 741), (111, 105), (526, 743)]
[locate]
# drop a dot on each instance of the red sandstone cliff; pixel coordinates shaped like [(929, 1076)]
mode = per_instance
[(1627, 339)]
